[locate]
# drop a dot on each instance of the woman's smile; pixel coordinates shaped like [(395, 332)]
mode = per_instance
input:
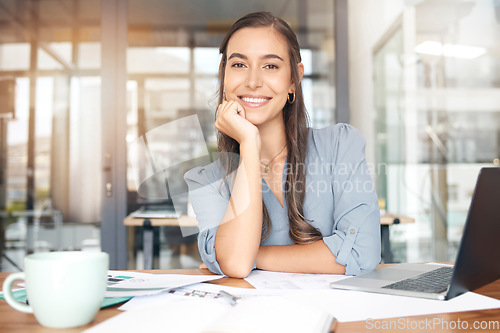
[(254, 101)]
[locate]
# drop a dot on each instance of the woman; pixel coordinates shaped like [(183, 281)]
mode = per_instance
[(281, 197)]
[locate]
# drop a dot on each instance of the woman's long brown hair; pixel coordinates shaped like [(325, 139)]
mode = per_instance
[(296, 129)]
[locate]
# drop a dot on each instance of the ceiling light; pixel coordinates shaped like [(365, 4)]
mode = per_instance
[(450, 50)]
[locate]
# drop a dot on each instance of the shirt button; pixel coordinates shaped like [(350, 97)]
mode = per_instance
[(352, 231), (205, 234)]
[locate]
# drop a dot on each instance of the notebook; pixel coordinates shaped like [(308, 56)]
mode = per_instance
[(252, 315), (477, 262)]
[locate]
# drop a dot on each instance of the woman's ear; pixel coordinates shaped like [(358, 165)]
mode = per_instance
[(300, 68)]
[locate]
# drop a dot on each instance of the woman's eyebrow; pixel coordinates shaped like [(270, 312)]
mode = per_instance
[(272, 56), (266, 56), (237, 55)]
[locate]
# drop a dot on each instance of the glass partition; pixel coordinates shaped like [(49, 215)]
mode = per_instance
[(50, 142), (437, 93)]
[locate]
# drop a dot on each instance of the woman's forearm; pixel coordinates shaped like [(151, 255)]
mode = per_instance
[(315, 257), (238, 237)]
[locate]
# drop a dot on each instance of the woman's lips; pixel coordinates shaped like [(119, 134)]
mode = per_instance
[(254, 101)]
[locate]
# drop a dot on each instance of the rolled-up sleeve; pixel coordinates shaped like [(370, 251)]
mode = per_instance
[(355, 238), (209, 200)]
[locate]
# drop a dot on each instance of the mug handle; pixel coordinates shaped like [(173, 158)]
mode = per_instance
[(9, 297)]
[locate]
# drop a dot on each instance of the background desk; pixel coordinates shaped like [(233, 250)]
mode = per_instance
[(187, 221), (15, 321), (148, 224), (385, 222)]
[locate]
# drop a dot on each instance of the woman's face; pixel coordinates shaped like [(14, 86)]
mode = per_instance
[(258, 73)]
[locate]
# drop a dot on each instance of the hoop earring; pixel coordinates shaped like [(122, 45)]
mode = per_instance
[(293, 99)]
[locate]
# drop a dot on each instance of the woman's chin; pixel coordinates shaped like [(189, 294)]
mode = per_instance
[(254, 118), (259, 118)]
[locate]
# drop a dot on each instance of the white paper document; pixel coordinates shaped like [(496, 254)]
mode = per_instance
[(131, 292), (125, 283), (344, 305), (348, 305), (308, 290), (191, 315), (195, 291), (278, 280), (257, 314), (205, 291)]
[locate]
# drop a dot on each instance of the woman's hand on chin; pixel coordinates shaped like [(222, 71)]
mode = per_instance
[(232, 122)]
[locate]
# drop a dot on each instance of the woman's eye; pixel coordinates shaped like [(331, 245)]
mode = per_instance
[(271, 67), (238, 65)]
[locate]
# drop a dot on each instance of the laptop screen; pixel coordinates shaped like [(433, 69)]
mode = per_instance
[(478, 259)]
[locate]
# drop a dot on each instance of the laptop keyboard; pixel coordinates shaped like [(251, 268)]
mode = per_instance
[(435, 281)]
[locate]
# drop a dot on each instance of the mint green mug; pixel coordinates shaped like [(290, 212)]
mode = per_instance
[(64, 289)]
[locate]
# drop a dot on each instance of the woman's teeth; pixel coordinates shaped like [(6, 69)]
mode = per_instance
[(254, 100)]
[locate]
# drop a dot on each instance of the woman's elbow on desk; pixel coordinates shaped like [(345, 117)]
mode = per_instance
[(232, 271), (371, 264), (366, 263), (235, 268)]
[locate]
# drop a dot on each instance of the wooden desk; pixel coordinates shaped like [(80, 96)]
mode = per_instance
[(389, 219), (147, 227), (385, 222), (14, 321), (182, 221)]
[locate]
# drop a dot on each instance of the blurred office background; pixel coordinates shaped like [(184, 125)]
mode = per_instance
[(83, 81)]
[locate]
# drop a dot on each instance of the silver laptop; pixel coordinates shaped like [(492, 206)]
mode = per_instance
[(477, 262)]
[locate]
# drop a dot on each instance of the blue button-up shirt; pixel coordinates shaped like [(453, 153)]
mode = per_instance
[(340, 201)]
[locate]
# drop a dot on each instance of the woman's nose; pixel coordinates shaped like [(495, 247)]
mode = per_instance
[(254, 79)]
